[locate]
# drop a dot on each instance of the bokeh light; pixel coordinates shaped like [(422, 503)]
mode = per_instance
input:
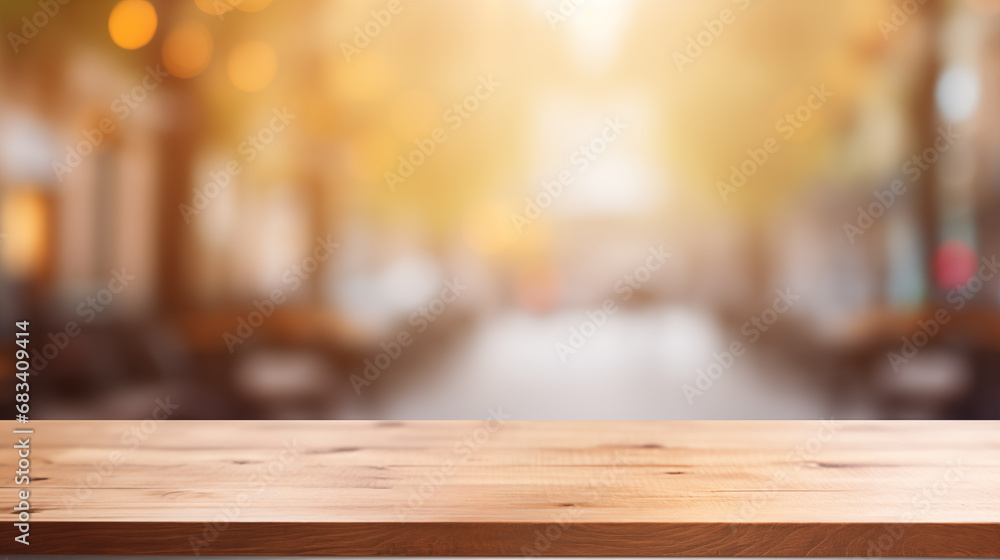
[(187, 50), (252, 65), (132, 23), (954, 264), (25, 217), (957, 93)]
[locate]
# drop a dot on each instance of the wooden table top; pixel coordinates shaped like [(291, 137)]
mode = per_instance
[(506, 488)]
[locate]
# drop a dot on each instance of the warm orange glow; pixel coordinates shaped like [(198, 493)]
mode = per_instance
[(220, 7), (132, 23), (187, 50), (252, 5), (487, 229), (375, 152), (215, 7), (24, 220), (985, 7), (413, 114), (252, 65), (365, 80)]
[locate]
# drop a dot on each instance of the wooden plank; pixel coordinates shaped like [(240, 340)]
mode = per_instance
[(511, 488)]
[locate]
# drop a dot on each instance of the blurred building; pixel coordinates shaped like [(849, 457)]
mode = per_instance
[(611, 210)]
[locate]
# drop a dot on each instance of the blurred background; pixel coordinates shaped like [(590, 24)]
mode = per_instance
[(556, 209)]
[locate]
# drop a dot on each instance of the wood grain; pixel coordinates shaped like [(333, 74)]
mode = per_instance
[(511, 488)]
